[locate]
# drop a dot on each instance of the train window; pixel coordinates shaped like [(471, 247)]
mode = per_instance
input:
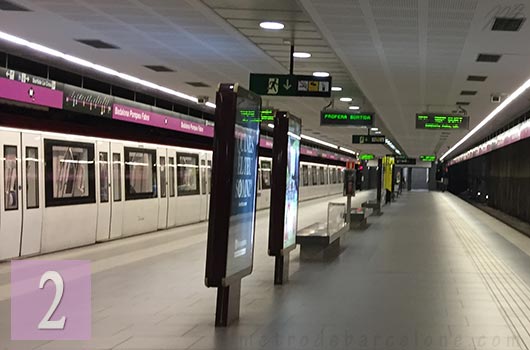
[(140, 174), (10, 178), (116, 176), (305, 175), (171, 176), (203, 176), (187, 174), (103, 177), (321, 175), (334, 175), (314, 176), (70, 173), (266, 167), (163, 177), (32, 177)]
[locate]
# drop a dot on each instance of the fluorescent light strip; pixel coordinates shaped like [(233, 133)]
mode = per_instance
[(490, 116), (309, 138), (109, 71), (347, 150)]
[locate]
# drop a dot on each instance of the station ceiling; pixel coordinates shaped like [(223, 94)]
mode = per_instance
[(393, 57)]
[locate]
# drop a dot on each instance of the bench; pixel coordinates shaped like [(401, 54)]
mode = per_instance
[(358, 218), (316, 243), (374, 205)]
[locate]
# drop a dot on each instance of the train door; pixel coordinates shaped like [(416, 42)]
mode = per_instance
[(162, 184), (172, 188), (11, 187), (117, 189), (32, 200), (103, 183), (209, 182), (204, 186)]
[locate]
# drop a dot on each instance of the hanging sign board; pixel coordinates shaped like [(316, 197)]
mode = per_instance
[(290, 85), (368, 139), (339, 118)]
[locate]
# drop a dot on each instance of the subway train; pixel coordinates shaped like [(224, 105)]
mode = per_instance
[(60, 191)]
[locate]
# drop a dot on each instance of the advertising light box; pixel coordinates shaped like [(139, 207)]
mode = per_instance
[(441, 121), (292, 182), (233, 200), (283, 222), (340, 118)]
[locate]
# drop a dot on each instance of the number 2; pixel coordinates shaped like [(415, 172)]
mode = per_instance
[(56, 278)]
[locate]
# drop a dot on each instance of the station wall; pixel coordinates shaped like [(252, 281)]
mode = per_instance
[(500, 179)]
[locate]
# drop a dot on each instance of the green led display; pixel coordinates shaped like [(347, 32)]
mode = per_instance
[(428, 158), (266, 115), (338, 118), (441, 121), (366, 157)]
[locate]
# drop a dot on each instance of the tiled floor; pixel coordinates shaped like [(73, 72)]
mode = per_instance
[(431, 273)]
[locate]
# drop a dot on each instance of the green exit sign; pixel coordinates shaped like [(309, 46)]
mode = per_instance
[(441, 122), (340, 118), (428, 158), (366, 157)]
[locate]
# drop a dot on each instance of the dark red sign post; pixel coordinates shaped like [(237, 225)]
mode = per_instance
[(283, 221), (230, 249)]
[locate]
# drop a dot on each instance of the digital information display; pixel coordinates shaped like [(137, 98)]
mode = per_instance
[(368, 139), (441, 121), (338, 118), (243, 204), (367, 157), (292, 184), (428, 158), (263, 116)]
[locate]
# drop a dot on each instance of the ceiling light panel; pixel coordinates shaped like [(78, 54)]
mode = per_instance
[(96, 43)]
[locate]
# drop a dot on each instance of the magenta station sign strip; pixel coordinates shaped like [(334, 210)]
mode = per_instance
[(515, 134), (139, 116), (30, 93)]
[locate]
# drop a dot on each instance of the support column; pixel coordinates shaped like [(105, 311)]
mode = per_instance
[(228, 301), (281, 269)]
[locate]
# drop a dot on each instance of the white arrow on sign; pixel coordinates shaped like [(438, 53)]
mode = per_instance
[(287, 85)]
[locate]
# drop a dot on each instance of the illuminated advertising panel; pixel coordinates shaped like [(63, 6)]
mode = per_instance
[(292, 182)]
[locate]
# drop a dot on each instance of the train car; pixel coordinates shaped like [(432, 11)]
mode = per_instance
[(61, 191)]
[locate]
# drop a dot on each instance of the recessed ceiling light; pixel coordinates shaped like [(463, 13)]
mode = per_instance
[(336, 88), (272, 25), (270, 126), (355, 108), (378, 132), (374, 129), (301, 54), (321, 74), (346, 99)]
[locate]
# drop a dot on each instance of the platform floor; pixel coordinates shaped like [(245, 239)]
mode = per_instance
[(432, 273)]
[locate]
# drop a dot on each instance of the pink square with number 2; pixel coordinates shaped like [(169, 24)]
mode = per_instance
[(51, 300)]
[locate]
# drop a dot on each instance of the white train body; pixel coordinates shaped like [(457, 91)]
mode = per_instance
[(60, 191)]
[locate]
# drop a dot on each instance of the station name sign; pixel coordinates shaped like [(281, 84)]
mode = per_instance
[(290, 85), (441, 121), (368, 139), (339, 118), (428, 158)]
